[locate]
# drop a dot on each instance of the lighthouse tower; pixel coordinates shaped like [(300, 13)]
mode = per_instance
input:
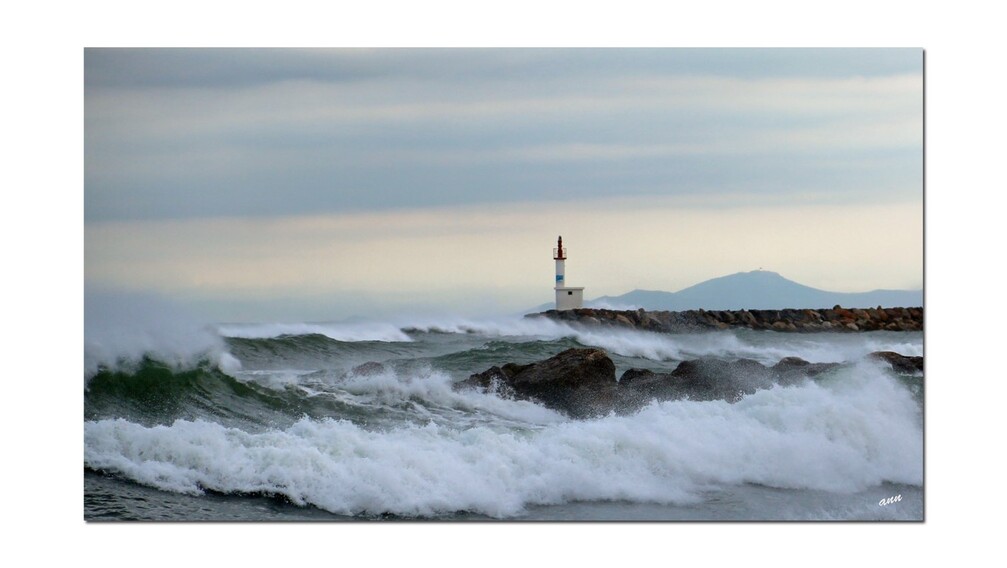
[(567, 298)]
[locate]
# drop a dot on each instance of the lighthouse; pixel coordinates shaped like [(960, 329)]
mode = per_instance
[(567, 298)]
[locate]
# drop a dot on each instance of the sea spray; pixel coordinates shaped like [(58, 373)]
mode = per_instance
[(858, 429), (766, 347), (360, 331), (123, 328), (302, 420)]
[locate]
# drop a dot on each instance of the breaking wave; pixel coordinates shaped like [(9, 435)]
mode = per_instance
[(858, 430)]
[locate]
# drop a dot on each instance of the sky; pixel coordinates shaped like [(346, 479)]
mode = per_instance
[(293, 185)]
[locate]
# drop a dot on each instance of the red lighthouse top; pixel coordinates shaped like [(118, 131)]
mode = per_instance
[(559, 253)]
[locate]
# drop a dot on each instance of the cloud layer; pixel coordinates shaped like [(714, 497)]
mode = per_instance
[(181, 133), (313, 184)]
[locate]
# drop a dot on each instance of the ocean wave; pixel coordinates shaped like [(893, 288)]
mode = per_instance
[(364, 331), (766, 347), (151, 392), (123, 329), (856, 430)]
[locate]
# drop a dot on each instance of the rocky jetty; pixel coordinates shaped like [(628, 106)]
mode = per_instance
[(835, 319), (582, 382)]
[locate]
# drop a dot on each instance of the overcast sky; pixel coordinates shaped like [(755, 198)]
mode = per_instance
[(321, 184)]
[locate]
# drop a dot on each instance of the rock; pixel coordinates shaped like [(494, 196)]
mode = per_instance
[(650, 322), (712, 379), (623, 320), (791, 370), (580, 382), (790, 363), (486, 380), (637, 387), (635, 376), (784, 320), (900, 363)]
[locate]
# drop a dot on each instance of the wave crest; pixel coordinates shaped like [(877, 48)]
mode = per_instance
[(122, 329), (855, 431)]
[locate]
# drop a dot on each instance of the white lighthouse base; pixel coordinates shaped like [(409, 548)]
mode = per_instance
[(569, 298)]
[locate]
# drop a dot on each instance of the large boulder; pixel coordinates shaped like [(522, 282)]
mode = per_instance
[(624, 321), (702, 379), (791, 370), (580, 382), (909, 365), (639, 386), (712, 379)]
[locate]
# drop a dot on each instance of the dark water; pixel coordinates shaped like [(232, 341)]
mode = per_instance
[(272, 422)]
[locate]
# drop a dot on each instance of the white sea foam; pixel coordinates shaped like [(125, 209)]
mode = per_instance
[(854, 432), (436, 389), (124, 327), (766, 347), (770, 347)]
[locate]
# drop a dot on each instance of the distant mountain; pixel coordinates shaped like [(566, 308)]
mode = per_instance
[(756, 290)]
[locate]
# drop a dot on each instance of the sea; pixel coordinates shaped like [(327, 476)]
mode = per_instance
[(290, 422)]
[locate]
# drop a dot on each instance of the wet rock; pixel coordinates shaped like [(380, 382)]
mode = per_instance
[(639, 386), (785, 320), (623, 320), (635, 376), (580, 382), (712, 379), (791, 370), (900, 363)]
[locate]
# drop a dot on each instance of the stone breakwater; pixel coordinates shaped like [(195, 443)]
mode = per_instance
[(836, 319)]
